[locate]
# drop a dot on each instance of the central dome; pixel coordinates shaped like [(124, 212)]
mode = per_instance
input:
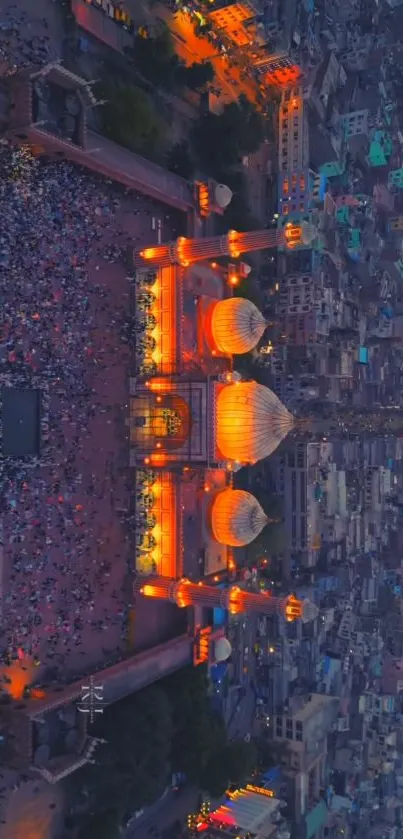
[(236, 518), (250, 422), (236, 325)]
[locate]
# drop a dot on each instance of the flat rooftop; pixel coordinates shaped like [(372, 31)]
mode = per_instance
[(21, 422)]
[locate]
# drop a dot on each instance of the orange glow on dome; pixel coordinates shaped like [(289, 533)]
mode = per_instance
[(251, 422), (236, 326), (236, 517)]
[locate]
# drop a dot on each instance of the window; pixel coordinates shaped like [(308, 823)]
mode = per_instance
[(302, 207), (295, 135), (289, 729), (299, 727), (285, 210), (302, 182)]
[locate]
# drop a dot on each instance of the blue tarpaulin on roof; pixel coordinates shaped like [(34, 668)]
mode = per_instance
[(272, 775), (218, 671), (219, 617)]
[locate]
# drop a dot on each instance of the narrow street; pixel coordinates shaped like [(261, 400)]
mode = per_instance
[(191, 48)]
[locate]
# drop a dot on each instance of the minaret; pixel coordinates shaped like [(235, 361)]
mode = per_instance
[(185, 593), (184, 251)]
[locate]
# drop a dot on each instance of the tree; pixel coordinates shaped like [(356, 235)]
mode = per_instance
[(198, 731), (133, 765), (240, 757), (270, 541), (200, 746), (180, 160), (238, 216), (128, 118), (195, 76), (104, 824), (155, 57), (221, 140), (233, 764)]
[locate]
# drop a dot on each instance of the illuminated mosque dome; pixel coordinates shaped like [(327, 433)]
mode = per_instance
[(236, 518), (251, 422), (223, 196), (222, 649), (236, 325)]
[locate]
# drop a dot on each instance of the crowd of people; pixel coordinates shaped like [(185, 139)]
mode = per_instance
[(24, 41), (59, 577)]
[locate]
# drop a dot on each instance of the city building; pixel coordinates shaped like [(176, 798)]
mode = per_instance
[(293, 150), (234, 20), (395, 178), (355, 126), (303, 727), (305, 307), (298, 192), (279, 70)]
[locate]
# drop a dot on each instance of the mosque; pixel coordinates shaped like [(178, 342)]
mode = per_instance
[(194, 421)]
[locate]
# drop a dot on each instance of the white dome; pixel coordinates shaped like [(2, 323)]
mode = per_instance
[(308, 233), (236, 517), (222, 649), (223, 196), (236, 325), (251, 422)]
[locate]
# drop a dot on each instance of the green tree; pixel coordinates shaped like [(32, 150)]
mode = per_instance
[(269, 542), (180, 160), (200, 746), (195, 76), (104, 824), (221, 140), (133, 764), (128, 118), (238, 215), (155, 57), (198, 731), (233, 764)]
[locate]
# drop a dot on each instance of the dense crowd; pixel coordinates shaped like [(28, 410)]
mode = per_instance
[(24, 41), (54, 220)]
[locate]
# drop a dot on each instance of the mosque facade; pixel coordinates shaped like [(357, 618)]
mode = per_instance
[(194, 421)]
